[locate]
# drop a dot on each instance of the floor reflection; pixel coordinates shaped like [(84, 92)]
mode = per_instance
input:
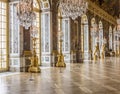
[(101, 77)]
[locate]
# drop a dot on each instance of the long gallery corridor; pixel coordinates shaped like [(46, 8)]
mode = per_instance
[(59, 46), (101, 77)]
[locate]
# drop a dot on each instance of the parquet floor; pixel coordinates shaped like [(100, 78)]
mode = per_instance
[(102, 77)]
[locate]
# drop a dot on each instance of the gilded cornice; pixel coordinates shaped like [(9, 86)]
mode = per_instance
[(4, 0), (100, 12)]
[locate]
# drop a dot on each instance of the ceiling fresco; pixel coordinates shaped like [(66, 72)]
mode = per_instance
[(110, 6)]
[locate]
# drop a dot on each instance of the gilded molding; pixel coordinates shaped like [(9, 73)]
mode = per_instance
[(4, 0), (100, 12)]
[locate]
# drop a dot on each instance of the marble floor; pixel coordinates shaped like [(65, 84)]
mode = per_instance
[(102, 77)]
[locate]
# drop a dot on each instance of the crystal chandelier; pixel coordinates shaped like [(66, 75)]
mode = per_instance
[(73, 8), (25, 13)]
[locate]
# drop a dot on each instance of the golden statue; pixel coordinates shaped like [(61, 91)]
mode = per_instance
[(96, 53), (34, 67), (102, 55), (60, 62)]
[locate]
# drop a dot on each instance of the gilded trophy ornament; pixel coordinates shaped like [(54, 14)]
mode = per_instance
[(96, 53), (34, 67), (60, 62), (102, 55)]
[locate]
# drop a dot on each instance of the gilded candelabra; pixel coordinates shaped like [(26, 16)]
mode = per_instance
[(34, 67), (60, 62), (102, 55), (96, 54)]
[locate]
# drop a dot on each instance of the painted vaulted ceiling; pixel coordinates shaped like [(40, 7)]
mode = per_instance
[(110, 6)]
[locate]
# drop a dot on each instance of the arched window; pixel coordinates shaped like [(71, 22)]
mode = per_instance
[(85, 36), (14, 29), (110, 38), (46, 33), (100, 35), (14, 36), (115, 38), (65, 30), (93, 33), (3, 35), (84, 33)]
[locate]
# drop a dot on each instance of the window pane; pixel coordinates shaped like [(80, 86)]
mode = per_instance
[(3, 32), (3, 38), (1, 51), (3, 58), (3, 64), (4, 5), (3, 46), (3, 12), (3, 18), (3, 25)]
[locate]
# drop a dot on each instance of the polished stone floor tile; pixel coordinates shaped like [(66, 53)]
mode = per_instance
[(101, 77)]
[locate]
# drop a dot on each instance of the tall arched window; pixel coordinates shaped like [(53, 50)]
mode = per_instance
[(85, 36), (65, 30), (110, 38), (3, 35), (14, 36), (46, 33), (93, 33), (115, 38), (100, 35)]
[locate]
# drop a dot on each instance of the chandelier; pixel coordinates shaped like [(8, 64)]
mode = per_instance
[(73, 8), (25, 13)]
